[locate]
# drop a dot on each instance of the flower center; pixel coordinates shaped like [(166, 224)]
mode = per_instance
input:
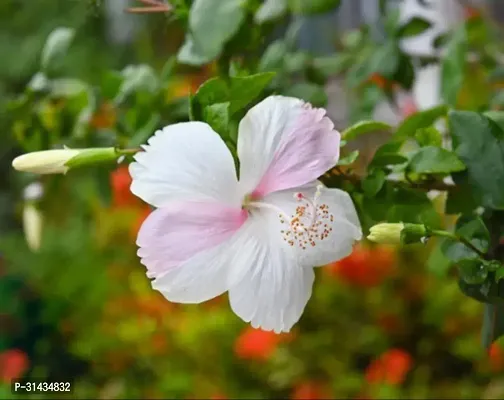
[(310, 223)]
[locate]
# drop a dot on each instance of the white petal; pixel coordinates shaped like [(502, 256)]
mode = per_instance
[(185, 161), (342, 231), (268, 288), (283, 143), (199, 279)]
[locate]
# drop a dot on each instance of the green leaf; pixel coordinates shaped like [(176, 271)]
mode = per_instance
[(435, 160), (415, 26), (472, 271), (453, 67), (191, 54), (217, 116), (137, 78), (239, 92), (405, 73), (349, 159), (207, 38), (270, 10), (56, 46), (479, 142), (363, 127), (310, 7), (297, 62), (373, 183), (419, 120), (474, 230), (429, 136), (460, 200), (499, 274), (497, 117), (309, 92), (273, 57), (332, 65)]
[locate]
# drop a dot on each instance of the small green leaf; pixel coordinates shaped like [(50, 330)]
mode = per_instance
[(270, 10), (422, 119), (310, 7), (217, 116), (437, 263), (297, 62), (309, 92), (373, 183), (415, 26), (435, 160), (429, 136), (273, 57), (56, 46), (386, 159), (472, 271), (364, 127), (332, 65), (349, 159), (479, 142), (208, 38), (453, 67), (239, 91)]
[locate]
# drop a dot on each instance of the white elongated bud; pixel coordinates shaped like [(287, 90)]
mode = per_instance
[(32, 226), (61, 160)]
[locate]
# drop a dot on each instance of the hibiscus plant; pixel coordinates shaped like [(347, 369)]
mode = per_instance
[(252, 183)]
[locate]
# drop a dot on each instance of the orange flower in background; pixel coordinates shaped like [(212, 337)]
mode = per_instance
[(105, 117), (218, 396), (309, 391), (120, 180), (13, 364), (256, 344), (471, 13), (390, 368), (496, 357), (366, 266)]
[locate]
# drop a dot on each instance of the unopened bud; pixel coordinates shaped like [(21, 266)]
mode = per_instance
[(386, 233), (396, 233), (60, 161), (32, 226)]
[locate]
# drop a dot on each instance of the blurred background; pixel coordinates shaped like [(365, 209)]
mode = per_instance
[(75, 303)]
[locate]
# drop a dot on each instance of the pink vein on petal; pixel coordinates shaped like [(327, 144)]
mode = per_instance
[(173, 234), (305, 152)]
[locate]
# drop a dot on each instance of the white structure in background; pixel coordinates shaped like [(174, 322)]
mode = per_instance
[(443, 15)]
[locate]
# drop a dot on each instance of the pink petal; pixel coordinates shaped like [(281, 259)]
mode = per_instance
[(284, 143), (173, 234)]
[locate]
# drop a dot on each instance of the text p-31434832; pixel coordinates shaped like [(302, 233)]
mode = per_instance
[(26, 386)]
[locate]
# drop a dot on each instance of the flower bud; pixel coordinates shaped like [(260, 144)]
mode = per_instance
[(397, 233), (32, 226), (386, 233), (60, 161)]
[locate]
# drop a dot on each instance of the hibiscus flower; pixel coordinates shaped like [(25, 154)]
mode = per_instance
[(257, 237)]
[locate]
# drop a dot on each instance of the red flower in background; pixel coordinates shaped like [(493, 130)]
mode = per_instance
[(496, 357), (365, 267), (120, 180), (390, 368), (13, 364), (309, 391), (256, 344)]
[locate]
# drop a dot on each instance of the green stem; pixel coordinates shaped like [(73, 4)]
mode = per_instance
[(125, 152), (459, 239)]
